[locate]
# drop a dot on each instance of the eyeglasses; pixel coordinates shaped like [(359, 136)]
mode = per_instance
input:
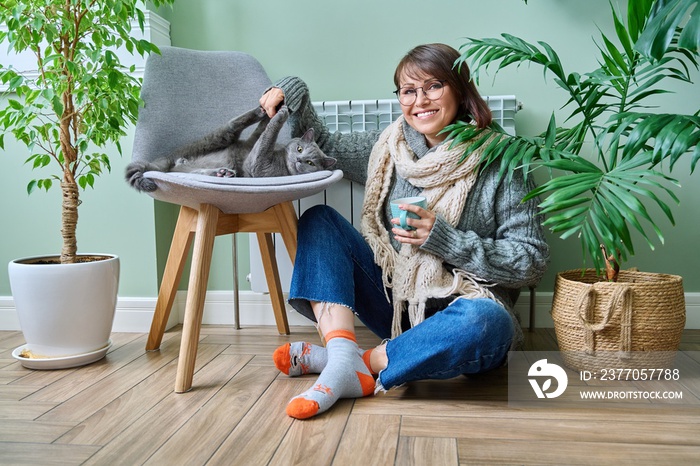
[(433, 90)]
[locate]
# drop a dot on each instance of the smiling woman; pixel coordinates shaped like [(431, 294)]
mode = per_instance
[(456, 270), (446, 94)]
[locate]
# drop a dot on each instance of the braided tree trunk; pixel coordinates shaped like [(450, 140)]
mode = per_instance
[(69, 186), (69, 221)]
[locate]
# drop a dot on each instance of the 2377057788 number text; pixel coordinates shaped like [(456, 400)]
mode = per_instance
[(631, 374)]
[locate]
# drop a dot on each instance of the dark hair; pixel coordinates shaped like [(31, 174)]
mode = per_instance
[(438, 60)]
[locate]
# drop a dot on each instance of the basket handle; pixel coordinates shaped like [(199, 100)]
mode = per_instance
[(622, 299)]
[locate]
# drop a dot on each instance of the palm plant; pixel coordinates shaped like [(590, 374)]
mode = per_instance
[(79, 99), (602, 195)]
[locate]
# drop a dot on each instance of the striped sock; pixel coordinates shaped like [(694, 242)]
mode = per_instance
[(345, 376), (301, 358)]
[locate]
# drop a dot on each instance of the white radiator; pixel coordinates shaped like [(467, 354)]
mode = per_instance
[(346, 197)]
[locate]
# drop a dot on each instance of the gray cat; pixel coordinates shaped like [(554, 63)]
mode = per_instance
[(223, 154)]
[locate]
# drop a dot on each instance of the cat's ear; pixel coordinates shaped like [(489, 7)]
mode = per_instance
[(308, 135), (328, 162)]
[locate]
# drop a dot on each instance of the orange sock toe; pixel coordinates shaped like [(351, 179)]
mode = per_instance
[(367, 383), (301, 408), (282, 359)]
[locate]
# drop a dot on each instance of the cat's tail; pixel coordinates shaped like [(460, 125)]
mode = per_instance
[(134, 176)]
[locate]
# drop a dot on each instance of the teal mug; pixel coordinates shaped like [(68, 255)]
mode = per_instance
[(403, 215)]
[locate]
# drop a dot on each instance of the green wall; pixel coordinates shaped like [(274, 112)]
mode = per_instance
[(343, 50)]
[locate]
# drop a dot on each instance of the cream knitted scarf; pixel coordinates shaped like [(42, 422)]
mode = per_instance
[(413, 275)]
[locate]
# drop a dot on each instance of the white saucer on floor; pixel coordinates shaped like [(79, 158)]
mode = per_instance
[(61, 362)]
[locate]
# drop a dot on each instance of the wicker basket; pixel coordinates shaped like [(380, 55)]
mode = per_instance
[(636, 322)]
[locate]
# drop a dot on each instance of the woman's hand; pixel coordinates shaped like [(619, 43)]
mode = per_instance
[(422, 225), (271, 101)]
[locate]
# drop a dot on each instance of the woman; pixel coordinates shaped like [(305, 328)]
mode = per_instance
[(442, 293)]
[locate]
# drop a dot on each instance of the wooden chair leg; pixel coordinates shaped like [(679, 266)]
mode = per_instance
[(196, 291), (267, 252), (177, 256)]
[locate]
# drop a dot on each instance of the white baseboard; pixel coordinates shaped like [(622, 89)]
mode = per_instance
[(135, 314), (8, 316)]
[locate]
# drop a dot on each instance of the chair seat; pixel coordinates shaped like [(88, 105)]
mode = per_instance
[(238, 195)]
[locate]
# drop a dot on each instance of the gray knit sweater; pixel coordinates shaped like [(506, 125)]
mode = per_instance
[(498, 238)]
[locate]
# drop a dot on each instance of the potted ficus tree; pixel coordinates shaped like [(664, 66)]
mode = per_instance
[(75, 102), (607, 171)]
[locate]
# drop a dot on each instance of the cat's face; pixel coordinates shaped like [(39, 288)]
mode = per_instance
[(304, 155)]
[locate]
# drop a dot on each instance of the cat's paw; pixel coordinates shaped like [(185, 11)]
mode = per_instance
[(225, 173), (146, 185), (134, 176)]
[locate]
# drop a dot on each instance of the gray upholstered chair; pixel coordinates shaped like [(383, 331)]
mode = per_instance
[(186, 95)]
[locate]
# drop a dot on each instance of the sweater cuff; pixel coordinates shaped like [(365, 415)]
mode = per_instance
[(295, 91), (442, 238)]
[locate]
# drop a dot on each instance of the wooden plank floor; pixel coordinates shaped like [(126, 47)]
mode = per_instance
[(122, 410)]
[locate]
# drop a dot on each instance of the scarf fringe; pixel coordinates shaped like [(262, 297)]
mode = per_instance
[(464, 284)]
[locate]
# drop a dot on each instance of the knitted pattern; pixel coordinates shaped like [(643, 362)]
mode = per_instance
[(412, 274)]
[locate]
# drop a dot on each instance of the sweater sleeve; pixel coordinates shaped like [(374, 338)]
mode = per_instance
[(499, 238), (352, 150)]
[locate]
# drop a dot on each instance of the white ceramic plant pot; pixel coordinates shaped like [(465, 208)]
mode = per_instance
[(65, 311)]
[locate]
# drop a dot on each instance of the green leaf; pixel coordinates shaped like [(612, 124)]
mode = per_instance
[(113, 78), (694, 159), (658, 34), (637, 13), (57, 105), (568, 186), (567, 219), (629, 207), (31, 186), (551, 133), (690, 37), (647, 193), (622, 34), (574, 164), (564, 204), (15, 105), (617, 59), (618, 221), (45, 184), (603, 225), (15, 83), (687, 138), (590, 246)]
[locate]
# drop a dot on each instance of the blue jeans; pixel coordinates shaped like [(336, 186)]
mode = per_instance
[(335, 265)]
